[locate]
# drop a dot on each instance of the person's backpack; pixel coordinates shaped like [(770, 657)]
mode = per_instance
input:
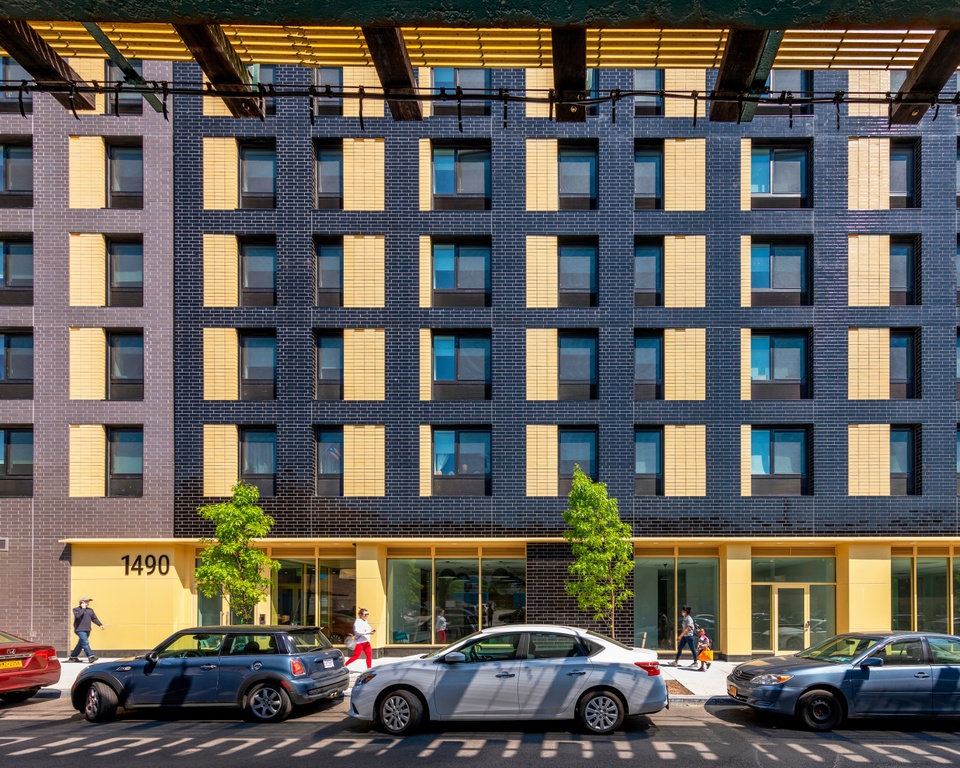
[(696, 629)]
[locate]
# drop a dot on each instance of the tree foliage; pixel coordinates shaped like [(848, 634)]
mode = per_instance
[(233, 565), (602, 550)]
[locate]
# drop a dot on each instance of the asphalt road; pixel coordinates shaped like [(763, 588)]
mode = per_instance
[(46, 732)]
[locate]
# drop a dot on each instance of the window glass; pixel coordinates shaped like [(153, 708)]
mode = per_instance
[(901, 595), (330, 452), (578, 359), (944, 650), (13, 73), (577, 268), (901, 170), (901, 460), (444, 358), (409, 601), (329, 171), (794, 569), (126, 358), (544, 645), (578, 447), (578, 172), (661, 585), (204, 644), (444, 266), (474, 172), (777, 266), (444, 451), (648, 80), (18, 444), (258, 452), (647, 272), (778, 171), (329, 266), (901, 267), (473, 360), (16, 170), (901, 358), (903, 653), (648, 173), (330, 358), (463, 267), (16, 266), (259, 266), (760, 267), (127, 100), (760, 357), (126, 451), (789, 453), (258, 171), (760, 451), (648, 357), (126, 170), (790, 80), (456, 586), (474, 453), (777, 358), (258, 358), (932, 589), (16, 357), (126, 265), (648, 449)]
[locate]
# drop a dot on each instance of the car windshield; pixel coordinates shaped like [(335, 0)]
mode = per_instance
[(452, 646), (840, 650), (308, 640), (5, 638), (591, 633)]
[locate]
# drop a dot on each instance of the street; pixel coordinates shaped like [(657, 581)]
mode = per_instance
[(46, 732)]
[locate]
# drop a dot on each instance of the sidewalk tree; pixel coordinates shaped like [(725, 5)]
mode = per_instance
[(233, 565), (602, 550)]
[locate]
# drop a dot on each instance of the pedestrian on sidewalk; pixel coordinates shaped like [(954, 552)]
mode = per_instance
[(704, 650), (686, 637), (441, 627), (361, 633), (83, 620)]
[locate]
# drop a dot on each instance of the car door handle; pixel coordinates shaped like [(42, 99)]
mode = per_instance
[(577, 673), (505, 674), (921, 674), (208, 667)]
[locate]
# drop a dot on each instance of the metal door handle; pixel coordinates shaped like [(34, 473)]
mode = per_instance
[(207, 667), (921, 674), (576, 674), (505, 674)]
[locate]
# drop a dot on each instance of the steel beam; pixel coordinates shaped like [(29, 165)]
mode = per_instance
[(390, 57), (936, 65), (570, 72), (131, 75), (744, 69)]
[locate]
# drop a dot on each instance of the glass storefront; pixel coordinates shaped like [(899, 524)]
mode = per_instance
[(661, 586), (920, 593), (793, 602)]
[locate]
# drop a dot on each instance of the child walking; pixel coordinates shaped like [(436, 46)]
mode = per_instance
[(704, 650)]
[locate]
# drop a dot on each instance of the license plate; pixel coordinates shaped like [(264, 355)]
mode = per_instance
[(732, 690), (12, 664), (328, 663)]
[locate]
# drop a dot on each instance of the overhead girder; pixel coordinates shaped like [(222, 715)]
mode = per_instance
[(570, 72), (392, 62), (936, 65), (747, 61)]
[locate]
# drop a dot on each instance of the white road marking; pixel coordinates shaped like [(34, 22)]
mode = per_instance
[(29, 750), (172, 744), (665, 749), (551, 747), (847, 753), (468, 747), (766, 753), (885, 751), (244, 744), (809, 754), (281, 745)]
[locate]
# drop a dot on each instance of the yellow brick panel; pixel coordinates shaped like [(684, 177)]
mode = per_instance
[(542, 267), (214, 106), (683, 81), (868, 270), (746, 174), (221, 458), (363, 364), (221, 271), (685, 460), (90, 70), (746, 273), (88, 460), (685, 364), (538, 85), (363, 166), (543, 460), (88, 364), (868, 459), (88, 161), (426, 271), (426, 364), (221, 173), (88, 270), (363, 277), (867, 82), (746, 337), (746, 460), (426, 460), (684, 271), (364, 460), (425, 86), (353, 78), (542, 364), (868, 174), (426, 175), (543, 184), (868, 353), (684, 174), (221, 364)]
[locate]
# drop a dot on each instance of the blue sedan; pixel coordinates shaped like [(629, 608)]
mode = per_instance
[(265, 670), (861, 674)]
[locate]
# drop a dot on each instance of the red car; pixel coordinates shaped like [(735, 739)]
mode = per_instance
[(25, 668)]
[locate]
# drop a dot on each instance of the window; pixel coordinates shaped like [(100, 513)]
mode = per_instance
[(258, 366), (648, 80), (265, 75), (648, 273), (258, 273), (778, 458), (329, 365), (648, 365), (461, 462), (125, 461), (329, 461), (779, 176), (258, 458), (124, 272), (16, 174), (16, 272), (903, 461), (461, 274), (778, 366), (549, 645), (903, 272), (782, 84), (258, 175), (16, 365), (473, 82), (577, 174), (593, 91), (461, 365), (577, 365), (904, 171), (125, 173), (13, 74), (329, 272), (648, 453), (648, 175), (329, 178), (461, 177), (577, 446), (328, 80), (123, 101), (903, 365), (779, 273), (125, 351), (577, 273), (16, 462)]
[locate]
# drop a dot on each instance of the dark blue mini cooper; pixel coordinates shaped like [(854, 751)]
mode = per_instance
[(265, 670)]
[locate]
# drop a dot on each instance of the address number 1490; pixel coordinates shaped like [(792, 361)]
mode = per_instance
[(149, 565)]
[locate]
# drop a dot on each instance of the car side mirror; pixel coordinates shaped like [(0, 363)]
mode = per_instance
[(454, 657), (873, 661), (152, 657)]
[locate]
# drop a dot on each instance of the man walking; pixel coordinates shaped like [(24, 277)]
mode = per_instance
[(83, 619)]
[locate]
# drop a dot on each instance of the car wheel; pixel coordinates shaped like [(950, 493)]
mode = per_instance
[(336, 638), (820, 710), (600, 712), (400, 712), (268, 703), (100, 704), (15, 697)]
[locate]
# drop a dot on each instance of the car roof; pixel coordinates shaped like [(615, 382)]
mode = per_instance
[(531, 628), (251, 629)]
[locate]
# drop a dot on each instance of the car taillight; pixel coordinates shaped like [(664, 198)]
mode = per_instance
[(652, 668), (44, 655), (296, 667)]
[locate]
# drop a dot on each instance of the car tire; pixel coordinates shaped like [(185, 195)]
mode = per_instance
[(100, 703), (600, 712), (268, 703), (820, 710), (336, 638), (15, 697), (400, 712)]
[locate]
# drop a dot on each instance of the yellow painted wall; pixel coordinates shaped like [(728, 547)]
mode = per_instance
[(685, 364), (866, 83), (363, 460), (736, 579), (684, 460), (426, 460), (868, 270), (363, 258), (221, 364), (684, 81), (426, 174), (542, 268), (868, 355), (868, 174), (88, 168), (746, 276), (539, 81), (353, 78), (426, 364), (868, 460), (363, 174), (542, 371), (746, 382), (221, 458), (88, 364), (543, 184), (684, 271), (543, 460), (372, 589), (88, 460), (746, 460), (90, 70), (746, 174), (863, 587), (363, 364), (221, 173), (88, 270), (221, 271), (426, 271), (684, 174)]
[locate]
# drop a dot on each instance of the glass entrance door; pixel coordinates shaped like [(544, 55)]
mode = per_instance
[(295, 595), (792, 608)]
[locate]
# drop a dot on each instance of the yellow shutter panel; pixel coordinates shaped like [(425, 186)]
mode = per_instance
[(363, 271), (746, 460), (425, 88), (685, 460), (874, 82), (746, 272), (684, 271), (88, 270), (221, 271), (363, 364), (426, 460), (426, 364), (221, 173), (868, 270), (683, 81), (542, 266), (88, 460), (353, 78), (221, 364), (214, 106), (363, 168), (88, 172), (90, 70), (684, 364), (539, 81), (868, 459), (868, 174), (543, 460), (542, 364), (684, 174), (364, 461), (426, 271), (746, 174), (426, 175), (221, 459), (746, 380), (868, 356), (88, 364), (543, 182)]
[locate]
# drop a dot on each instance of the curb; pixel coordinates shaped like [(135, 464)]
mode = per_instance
[(700, 701)]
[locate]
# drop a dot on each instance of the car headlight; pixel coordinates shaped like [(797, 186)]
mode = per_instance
[(771, 679), (366, 677)]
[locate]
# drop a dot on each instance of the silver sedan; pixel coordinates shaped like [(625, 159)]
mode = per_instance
[(516, 672)]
